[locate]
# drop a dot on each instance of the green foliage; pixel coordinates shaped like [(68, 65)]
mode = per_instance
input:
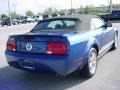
[(95, 10), (61, 11), (116, 6), (50, 11), (29, 13), (73, 11), (39, 14), (89, 10), (81, 10), (4, 16), (55, 11), (13, 15)]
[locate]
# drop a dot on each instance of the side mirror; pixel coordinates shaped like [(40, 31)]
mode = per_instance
[(108, 24)]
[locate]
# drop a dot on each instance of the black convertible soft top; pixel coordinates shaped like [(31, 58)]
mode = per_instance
[(85, 20)]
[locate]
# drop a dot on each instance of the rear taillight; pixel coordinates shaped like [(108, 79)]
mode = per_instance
[(58, 48), (11, 45)]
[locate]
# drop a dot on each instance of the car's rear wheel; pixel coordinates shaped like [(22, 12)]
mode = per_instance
[(115, 44), (90, 68)]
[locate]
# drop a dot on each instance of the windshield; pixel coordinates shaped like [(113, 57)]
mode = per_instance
[(56, 24)]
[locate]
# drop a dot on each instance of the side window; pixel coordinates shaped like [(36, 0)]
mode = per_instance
[(70, 23), (55, 24), (97, 22)]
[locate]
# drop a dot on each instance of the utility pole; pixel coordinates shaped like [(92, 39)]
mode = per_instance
[(9, 11), (111, 7), (71, 7)]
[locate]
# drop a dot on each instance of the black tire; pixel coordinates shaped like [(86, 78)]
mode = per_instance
[(24, 22), (88, 71), (115, 44), (14, 23), (8, 24)]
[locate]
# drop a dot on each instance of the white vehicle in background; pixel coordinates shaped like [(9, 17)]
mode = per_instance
[(40, 18), (29, 19), (37, 18), (24, 19)]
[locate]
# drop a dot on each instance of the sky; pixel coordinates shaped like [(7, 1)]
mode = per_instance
[(21, 6)]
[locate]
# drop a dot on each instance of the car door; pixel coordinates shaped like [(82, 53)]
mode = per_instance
[(107, 32)]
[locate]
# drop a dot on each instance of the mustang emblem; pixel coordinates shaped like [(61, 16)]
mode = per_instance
[(28, 46)]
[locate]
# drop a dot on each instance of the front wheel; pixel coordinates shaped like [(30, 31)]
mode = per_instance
[(90, 68)]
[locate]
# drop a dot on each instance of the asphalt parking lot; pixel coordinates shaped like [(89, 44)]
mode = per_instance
[(107, 76)]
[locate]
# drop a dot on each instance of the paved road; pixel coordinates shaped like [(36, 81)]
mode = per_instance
[(106, 78)]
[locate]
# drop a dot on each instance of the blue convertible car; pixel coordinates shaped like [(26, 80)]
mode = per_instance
[(63, 44)]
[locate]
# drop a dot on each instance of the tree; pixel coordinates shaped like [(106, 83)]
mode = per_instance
[(73, 11), (14, 15), (39, 14), (81, 10), (4, 16), (87, 10), (55, 11), (29, 13), (61, 11), (92, 10), (50, 11)]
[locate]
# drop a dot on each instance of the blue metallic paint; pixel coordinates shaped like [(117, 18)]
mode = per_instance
[(62, 65), (79, 44)]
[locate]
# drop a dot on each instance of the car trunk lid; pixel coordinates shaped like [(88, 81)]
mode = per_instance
[(38, 43)]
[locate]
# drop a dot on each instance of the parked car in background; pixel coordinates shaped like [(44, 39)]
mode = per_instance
[(55, 15), (40, 18), (14, 21), (47, 16), (0, 21), (113, 16), (22, 19), (7, 22), (62, 45), (29, 19), (37, 18)]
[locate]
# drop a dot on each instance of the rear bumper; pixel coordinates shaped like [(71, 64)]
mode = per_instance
[(61, 65)]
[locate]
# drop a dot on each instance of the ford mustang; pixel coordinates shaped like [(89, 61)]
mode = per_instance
[(62, 45)]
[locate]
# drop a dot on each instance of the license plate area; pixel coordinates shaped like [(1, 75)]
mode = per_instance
[(27, 64), (31, 47)]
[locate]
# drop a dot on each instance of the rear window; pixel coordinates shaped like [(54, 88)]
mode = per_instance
[(56, 24)]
